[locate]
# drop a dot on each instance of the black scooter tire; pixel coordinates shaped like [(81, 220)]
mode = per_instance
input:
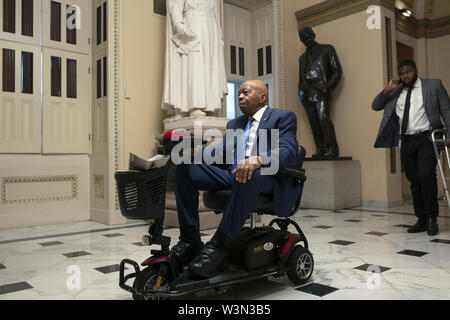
[(144, 282), (301, 266)]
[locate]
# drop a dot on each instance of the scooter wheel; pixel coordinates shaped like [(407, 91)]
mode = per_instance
[(301, 265), (150, 279)]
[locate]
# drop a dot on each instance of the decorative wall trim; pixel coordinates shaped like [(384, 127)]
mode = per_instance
[(48, 179), (429, 9), (281, 64), (117, 98), (99, 187), (335, 9)]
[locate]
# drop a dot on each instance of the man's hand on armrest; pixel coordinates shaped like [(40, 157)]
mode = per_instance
[(244, 170)]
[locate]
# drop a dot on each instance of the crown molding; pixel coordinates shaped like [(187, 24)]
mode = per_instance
[(423, 28), (335, 9), (330, 10)]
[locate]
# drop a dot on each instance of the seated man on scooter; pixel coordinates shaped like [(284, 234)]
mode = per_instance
[(244, 177)]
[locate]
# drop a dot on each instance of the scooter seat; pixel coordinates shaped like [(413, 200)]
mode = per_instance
[(216, 200)]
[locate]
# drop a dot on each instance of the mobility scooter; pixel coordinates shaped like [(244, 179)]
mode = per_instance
[(258, 252)]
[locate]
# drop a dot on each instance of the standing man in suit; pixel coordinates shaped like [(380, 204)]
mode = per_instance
[(319, 74), (243, 177), (413, 108)]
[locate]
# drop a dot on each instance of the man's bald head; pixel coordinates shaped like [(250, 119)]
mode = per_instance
[(253, 95), (260, 87)]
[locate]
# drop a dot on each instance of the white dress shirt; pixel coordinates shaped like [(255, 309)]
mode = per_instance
[(252, 136), (418, 121)]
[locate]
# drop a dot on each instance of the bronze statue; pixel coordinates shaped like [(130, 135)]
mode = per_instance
[(320, 72)]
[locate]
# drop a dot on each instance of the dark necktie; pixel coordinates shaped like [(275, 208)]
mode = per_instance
[(406, 112)]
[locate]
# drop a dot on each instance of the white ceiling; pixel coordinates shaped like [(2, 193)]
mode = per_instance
[(249, 4)]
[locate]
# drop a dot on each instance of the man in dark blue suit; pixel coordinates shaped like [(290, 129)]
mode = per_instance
[(245, 177)]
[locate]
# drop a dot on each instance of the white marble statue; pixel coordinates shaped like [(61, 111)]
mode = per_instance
[(194, 78)]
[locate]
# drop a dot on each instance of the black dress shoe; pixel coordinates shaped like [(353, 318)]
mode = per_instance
[(210, 262), (184, 252), (420, 226), (432, 226)]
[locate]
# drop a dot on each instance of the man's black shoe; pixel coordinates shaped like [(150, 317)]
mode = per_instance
[(184, 252), (211, 260), (420, 226), (432, 226)]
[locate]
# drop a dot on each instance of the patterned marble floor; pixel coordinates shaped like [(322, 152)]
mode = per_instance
[(40, 263)]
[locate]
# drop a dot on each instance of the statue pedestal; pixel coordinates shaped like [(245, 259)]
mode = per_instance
[(332, 184), (208, 219)]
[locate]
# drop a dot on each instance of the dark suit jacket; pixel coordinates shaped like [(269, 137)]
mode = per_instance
[(435, 100), (285, 189)]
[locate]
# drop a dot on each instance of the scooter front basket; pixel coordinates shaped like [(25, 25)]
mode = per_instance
[(142, 194)]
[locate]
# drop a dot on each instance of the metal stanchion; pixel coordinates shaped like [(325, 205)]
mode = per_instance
[(439, 144)]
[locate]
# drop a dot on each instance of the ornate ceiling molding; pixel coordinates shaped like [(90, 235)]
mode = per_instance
[(424, 28), (335, 9)]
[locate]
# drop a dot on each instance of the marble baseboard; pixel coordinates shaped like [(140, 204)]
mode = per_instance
[(381, 204)]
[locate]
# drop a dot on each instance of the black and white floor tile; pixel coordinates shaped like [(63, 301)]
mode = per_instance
[(361, 253)]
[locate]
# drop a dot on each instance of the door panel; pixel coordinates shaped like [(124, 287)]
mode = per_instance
[(27, 22), (66, 121), (99, 106), (99, 77), (60, 25), (404, 52), (20, 113)]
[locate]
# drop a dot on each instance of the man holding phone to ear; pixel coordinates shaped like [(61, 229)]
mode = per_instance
[(413, 108)]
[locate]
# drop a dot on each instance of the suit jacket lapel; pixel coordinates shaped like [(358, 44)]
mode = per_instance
[(263, 124), (425, 93), (264, 120)]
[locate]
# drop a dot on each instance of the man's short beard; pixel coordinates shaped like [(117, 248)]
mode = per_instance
[(413, 81)]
